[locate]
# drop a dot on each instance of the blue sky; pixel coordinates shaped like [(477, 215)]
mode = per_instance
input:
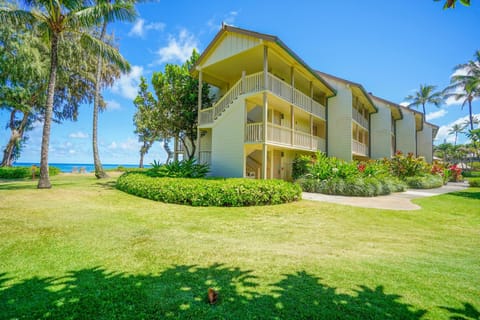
[(390, 47)]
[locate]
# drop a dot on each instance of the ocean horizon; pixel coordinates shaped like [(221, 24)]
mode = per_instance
[(70, 167)]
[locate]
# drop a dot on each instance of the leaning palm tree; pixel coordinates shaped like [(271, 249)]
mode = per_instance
[(456, 129), (426, 95), (56, 19)]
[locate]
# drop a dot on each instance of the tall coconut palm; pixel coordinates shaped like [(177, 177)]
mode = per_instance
[(456, 129), (99, 172), (55, 19), (464, 88), (425, 95)]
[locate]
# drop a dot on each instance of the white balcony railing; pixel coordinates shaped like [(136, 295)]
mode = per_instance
[(255, 83), (361, 120), (359, 148), (281, 135)]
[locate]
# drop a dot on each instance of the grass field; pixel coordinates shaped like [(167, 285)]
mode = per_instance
[(84, 250)]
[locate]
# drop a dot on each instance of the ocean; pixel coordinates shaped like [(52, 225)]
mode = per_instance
[(71, 167)]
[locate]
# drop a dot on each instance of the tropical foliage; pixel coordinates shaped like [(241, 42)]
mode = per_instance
[(425, 95), (209, 192), (188, 168), (56, 21), (451, 3)]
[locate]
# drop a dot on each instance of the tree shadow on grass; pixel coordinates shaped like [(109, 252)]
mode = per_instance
[(468, 312), (18, 184), (464, 194), (109, 185), (180, 292)]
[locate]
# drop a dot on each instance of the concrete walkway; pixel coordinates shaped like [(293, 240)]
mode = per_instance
[(394, 201)]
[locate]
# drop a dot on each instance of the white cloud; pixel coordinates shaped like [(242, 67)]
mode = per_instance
[(130, 145), (127, 85), (78, 135), (443, 135), (435, 115), (112, 145), (140, 28), (71, 151), (404, 104), (179, 49), (112, 105)]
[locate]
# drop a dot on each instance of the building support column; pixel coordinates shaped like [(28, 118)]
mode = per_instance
[(244, 73), (311, 96), (292, 125), (265, 113), (292, 81), (199, 106), (311, 132)]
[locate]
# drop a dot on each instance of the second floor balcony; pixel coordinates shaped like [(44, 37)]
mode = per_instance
[(256, 83), (284, 136)]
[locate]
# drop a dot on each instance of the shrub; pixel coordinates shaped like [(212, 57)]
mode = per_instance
[(300, 166), (234, 192), (470, 174), (358, 186), (24, 172), (474, 182), (428, 181), (179, 169), (407, 166), (456, 173)]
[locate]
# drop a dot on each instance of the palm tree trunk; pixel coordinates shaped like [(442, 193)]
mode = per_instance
[(44, 181), (99, 172), (16, 135), (470, 111), (423, 106)]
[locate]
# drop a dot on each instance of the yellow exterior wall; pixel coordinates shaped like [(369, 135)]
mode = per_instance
[(406, 137), (425, 143), (227, 142), (340, 122), (231, 45), (380, 127)]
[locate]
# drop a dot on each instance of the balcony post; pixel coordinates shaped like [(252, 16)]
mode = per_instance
[(311, 132), (292, 125), (311, 96), (265, 68), (264, 146), (292, 81), (243, 81), (200, 86)]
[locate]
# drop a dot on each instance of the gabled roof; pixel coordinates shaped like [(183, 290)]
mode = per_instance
[(265, 37), (393, 104), (351, 83)]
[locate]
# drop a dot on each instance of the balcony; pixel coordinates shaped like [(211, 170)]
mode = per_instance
[(360, 119), (283, 136), (359, 148), (255, 83)]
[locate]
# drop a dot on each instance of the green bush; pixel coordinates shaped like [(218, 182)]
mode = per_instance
[(300, 166), (179, 169), (407, 166), (474, 182), (428, 181), (24, 172), (355, 186), (471, 174), (234, 192)]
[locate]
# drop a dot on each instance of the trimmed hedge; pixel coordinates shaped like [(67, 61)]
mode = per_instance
[(358, 186), (474, 182), (428, 181), (24, 172), (234, 192)]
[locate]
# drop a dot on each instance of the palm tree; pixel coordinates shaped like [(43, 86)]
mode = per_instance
[(426, 95), (443, 151), (56, 19), (99, 172), (470, 89), (456, 129)]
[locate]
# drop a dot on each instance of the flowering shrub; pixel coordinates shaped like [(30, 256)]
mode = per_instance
[(407, 166), (456, 173)]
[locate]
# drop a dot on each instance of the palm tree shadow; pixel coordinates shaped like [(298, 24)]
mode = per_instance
[(468, 312), (109, 185), (180, 292)]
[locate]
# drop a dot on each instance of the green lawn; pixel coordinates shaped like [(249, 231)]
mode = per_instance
[(84, 250)]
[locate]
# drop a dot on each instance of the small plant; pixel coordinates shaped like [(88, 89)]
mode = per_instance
[(179, 169), (456, 173), (474, 182), (407, 166), (300, 166)]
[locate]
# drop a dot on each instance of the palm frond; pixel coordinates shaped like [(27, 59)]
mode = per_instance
[(106, 51), (17, 17), (109, 12)]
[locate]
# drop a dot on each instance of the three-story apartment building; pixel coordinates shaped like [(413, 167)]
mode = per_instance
[(272, 107)]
